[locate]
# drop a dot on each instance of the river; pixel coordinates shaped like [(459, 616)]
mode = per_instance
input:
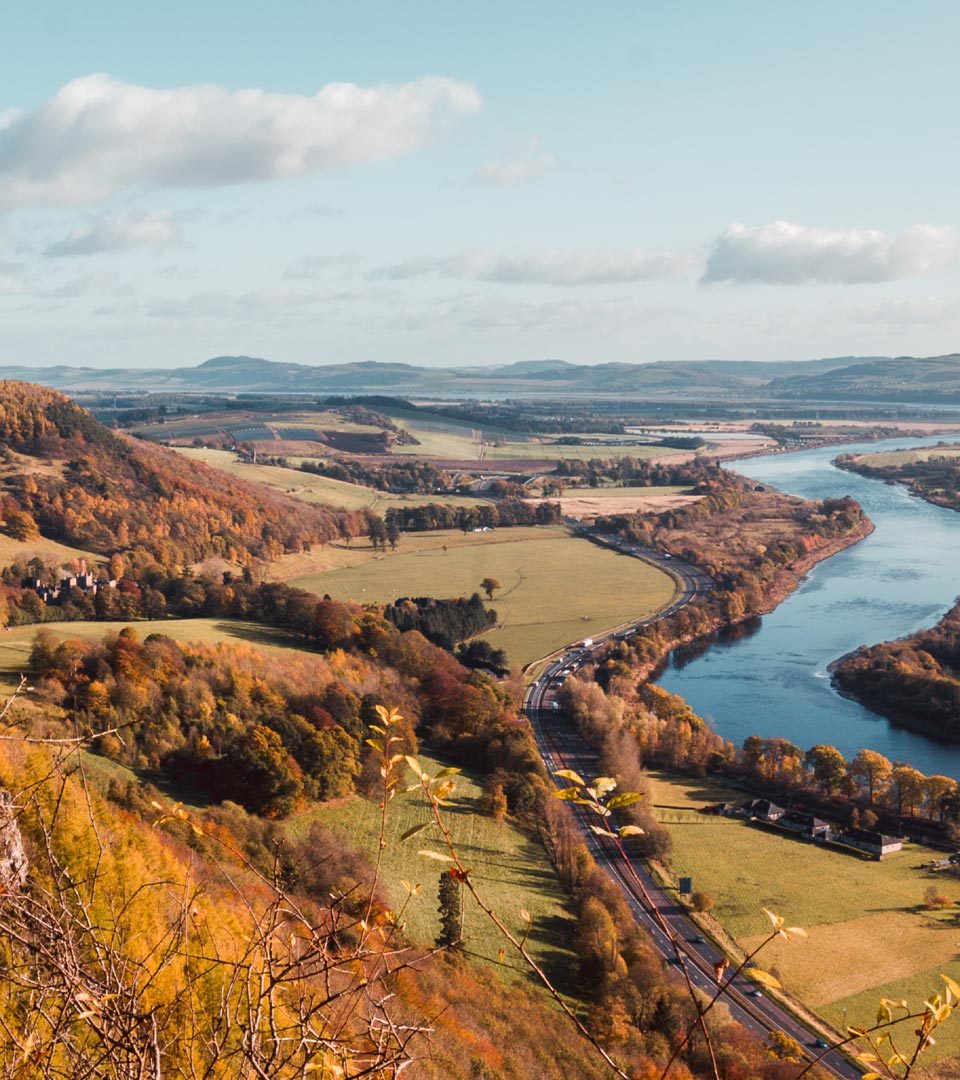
[(904, 576)]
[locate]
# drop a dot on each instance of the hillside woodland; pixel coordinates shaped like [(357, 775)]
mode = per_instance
[(67, 477), (214, 946)]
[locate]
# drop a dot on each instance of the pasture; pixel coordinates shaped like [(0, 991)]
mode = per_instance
[(555, 588), (893, 458), (510, 868), (869, 933), (318, 489)]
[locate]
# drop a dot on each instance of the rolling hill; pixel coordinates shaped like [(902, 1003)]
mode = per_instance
[(877, 378)]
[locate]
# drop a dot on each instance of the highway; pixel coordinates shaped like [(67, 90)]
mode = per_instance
[(670, 930)]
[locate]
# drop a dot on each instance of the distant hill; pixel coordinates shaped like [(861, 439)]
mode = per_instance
[(67, 477), (877, 378)]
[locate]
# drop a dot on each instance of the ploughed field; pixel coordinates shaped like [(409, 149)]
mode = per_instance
[(555, 588), (870, 935)]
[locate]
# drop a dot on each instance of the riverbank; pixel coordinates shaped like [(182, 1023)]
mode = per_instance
[(772, 679), (786, 581)]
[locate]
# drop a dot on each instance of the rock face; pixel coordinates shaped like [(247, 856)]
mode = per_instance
[(13, 857)]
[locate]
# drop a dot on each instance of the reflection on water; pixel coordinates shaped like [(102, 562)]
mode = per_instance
[(771, 679), (729, 635)]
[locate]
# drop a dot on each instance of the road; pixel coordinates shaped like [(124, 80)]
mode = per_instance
[(654, 909)]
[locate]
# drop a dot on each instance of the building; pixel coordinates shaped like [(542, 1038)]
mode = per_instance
[(807, 825), (762, 810), (874, 843)]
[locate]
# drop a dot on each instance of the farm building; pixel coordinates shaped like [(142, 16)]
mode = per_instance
[(806, 824), (874, 843), (762, 810)]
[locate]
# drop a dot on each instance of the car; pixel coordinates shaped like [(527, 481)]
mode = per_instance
[(698, 940), (821, 1044), (756, 993)]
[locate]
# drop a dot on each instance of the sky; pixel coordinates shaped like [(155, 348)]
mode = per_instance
[(455, 183)]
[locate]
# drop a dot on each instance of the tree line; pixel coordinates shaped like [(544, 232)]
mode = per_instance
[(502, 514)]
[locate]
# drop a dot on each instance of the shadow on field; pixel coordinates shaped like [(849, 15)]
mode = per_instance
[(256, 634)]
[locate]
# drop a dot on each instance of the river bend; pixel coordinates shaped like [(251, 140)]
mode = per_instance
[(902, 577)]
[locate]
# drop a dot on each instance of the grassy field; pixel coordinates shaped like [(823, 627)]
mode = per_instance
[(318, 489), (510, 868), (908, 457), (16, 641), (869, 934), (555, 588), (459, 444), (49, 550)]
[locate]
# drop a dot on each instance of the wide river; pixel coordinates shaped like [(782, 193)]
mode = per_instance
[(902, 577)]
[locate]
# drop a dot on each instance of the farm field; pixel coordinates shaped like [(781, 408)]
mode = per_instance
[(318, 489), (588, 503), (459, 444), (869, 934), (510, 868), (907, 457), (17, 641), (555, 588)]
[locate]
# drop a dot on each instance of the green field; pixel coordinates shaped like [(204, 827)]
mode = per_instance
[(318, 489), (869, 935), (555, 587), (510, 868), (17, 641)]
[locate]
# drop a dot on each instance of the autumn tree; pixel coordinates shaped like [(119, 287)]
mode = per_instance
[(906, 788), (829, 766), (873, 770), (489, 586)]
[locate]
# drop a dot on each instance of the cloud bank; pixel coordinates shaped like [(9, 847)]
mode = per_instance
[(586, 267), (785, 254), (151, 230), (98, 135)]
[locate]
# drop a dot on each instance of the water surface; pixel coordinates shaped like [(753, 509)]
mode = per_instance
[(902, 577)]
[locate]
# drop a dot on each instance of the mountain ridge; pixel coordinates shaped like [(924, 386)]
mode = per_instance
[(900, 378)]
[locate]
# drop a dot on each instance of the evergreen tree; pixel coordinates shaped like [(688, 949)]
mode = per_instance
[(451, 911)]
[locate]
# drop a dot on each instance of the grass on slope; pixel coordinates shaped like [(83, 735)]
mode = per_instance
[(869, 934), (22, 551), (510, 868), (318, 489), (17, 641), (555, 588)]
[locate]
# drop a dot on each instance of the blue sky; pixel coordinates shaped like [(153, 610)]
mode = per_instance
[(495, 182)]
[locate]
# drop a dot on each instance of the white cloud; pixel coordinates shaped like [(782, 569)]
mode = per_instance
[(98, 135), (784, 254), (534, 161), (148, 230), (577, 267)]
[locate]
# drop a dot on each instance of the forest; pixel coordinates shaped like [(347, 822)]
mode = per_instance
[(912, 681)]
